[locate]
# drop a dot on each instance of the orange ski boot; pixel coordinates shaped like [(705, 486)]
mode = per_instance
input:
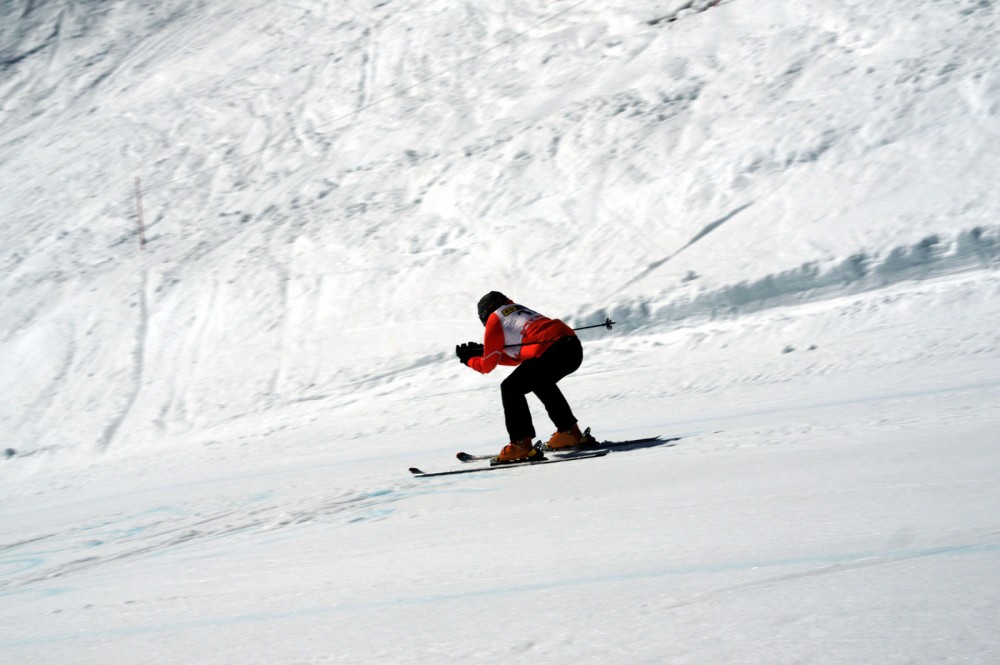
[(571, 438), (517, 451)]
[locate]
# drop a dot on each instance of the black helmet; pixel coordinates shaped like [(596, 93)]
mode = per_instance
[(490, 303)]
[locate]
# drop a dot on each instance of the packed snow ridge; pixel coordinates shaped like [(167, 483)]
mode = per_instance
[(976, 249)]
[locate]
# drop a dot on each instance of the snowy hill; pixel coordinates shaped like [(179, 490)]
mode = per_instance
[(790, 208)]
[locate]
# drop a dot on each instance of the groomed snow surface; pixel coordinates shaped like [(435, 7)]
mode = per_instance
[(790, 208)]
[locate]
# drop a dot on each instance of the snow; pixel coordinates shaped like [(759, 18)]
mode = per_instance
[(790, 209)]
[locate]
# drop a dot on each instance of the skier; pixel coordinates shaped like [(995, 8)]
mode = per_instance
[(544, 351)]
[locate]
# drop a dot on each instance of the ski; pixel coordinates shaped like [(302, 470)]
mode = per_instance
[(647, 442), (467, 457), (513, 465)]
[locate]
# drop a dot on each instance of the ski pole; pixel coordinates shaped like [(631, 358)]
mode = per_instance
[(607, 324)]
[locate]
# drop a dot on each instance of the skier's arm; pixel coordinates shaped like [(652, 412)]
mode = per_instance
[(493, 343)]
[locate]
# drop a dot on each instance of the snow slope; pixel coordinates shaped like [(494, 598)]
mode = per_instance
[(789, 207)]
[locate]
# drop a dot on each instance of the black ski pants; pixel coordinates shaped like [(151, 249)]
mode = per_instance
[(540, 375)]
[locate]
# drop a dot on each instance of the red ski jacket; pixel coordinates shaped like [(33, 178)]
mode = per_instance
[(512, 325)]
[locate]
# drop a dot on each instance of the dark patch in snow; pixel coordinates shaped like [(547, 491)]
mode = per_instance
[(8, 61), (698, 236), (685, 10)]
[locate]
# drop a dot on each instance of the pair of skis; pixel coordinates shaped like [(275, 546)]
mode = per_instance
[(589, 451)]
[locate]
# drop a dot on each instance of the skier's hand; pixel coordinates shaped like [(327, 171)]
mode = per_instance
[(467, 351)]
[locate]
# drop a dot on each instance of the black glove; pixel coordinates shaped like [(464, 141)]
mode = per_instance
[(468, 350)]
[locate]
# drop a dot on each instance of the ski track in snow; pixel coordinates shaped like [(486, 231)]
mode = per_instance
[(823, 565), (169, 530)]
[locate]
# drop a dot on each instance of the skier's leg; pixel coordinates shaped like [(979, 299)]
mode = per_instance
[(562, 359), (513, 391), (539, 376), (556, 406)]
